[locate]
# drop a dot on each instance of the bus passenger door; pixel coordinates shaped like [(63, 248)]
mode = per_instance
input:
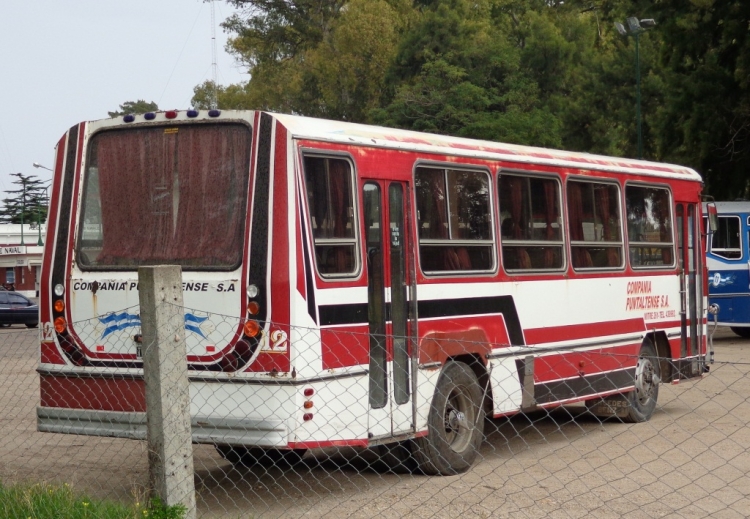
[(691, 285), (389, 276)]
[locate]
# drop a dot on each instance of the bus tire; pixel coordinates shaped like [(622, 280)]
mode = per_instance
[(647, 378), (455, 425), (742, 332), (249, 456)]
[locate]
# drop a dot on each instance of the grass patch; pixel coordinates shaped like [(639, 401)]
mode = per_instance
[(44, 501)]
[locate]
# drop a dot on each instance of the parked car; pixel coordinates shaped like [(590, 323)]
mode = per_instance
[(18, 309)]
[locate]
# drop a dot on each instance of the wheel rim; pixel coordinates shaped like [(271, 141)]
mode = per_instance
[(646, 380), (458, 417)]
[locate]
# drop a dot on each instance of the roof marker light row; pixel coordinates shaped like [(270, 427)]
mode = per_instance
[(170, 114)]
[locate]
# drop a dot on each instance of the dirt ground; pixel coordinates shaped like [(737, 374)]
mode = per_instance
[(690, 460)]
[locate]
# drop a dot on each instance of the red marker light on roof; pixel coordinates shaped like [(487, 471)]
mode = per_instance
[(171, 114)]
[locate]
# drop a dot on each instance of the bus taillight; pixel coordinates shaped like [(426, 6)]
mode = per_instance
[(252, 328), (59, 306), (60, 325), (253, 308)]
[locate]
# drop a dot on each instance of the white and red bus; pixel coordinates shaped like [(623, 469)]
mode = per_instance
[(351, 285)]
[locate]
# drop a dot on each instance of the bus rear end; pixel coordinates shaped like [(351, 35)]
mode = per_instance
[(168, 188)]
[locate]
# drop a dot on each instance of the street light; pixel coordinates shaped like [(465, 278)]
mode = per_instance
[(23, 210), (635, 28), (37, 165)]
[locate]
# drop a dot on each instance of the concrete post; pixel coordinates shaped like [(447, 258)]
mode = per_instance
[(170, 449)]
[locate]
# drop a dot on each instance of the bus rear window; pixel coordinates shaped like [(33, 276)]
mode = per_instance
[(165, 195)]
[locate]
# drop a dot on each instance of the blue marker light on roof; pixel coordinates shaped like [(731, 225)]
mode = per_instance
[(192, 113), (214, 113), (149, 116), (129, 118)]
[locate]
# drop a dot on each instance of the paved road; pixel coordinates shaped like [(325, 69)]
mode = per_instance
[(690, 460)]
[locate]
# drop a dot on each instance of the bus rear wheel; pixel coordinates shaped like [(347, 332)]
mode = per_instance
[(249, 456), (643, 398), (455, 424)]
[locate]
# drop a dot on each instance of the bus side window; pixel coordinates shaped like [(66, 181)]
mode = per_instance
[(649, 221), (330, 198), (530, 223), (726, 242), (454, 218), (595, 225)]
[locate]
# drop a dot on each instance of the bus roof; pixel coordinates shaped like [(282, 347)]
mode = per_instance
[(735, 206), (352, 133), (377, 136)]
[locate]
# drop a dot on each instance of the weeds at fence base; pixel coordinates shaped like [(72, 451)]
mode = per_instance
[(45, 501)]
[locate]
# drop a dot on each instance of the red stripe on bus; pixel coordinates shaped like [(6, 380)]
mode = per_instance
[(582, 331), (52, 219), (345, 346), (100, 394)]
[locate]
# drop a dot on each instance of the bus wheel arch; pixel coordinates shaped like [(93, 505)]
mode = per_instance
[(664, 354), (455, 423)]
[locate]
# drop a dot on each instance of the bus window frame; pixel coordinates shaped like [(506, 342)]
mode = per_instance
[(83, 193), (623, 228), (739, 236), (672, 219), (563, 220), (307, 218), (492, 242)]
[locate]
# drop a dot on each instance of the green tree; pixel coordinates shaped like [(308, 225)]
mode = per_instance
[(28, 203), (134, 107), (704, 121), (458, 71)]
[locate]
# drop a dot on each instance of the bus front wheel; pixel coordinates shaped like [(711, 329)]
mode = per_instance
[(647, 378), (455, 423)]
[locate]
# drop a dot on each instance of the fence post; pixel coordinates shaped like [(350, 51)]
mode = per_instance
[(170, 449)]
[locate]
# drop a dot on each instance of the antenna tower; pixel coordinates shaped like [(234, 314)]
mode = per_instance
[(214, 100)]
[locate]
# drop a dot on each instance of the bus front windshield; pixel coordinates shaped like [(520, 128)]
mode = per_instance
[(169, 195)]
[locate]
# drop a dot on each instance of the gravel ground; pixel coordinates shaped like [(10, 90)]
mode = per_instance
[(691, 460)]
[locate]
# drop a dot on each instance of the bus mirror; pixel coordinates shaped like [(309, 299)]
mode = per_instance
[(713, 217)]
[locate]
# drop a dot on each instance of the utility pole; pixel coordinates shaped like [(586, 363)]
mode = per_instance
[(637, 27)]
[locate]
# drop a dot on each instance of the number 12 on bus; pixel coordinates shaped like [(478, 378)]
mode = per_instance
[(351, 285)]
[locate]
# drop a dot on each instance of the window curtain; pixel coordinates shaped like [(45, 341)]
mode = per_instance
[(208, 213), (338, 177), (665, 229), (601, 196), (173, 196), (550, 216), (126, 174), (581, 257)]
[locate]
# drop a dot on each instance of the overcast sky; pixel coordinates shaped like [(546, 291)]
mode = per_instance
[(67, 61)]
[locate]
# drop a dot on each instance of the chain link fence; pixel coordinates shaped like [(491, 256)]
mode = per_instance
[(690, 460)]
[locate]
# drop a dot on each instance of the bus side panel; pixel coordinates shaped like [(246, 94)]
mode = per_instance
[(728, 287)]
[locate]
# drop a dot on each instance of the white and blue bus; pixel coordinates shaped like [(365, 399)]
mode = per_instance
[(728, 261)]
